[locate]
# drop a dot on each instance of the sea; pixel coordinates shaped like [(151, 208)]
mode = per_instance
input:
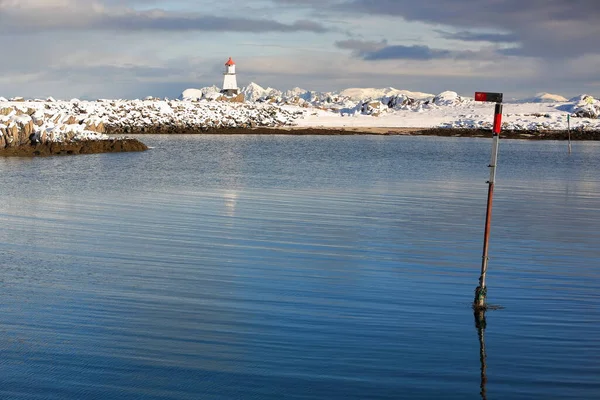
[(301, 267)]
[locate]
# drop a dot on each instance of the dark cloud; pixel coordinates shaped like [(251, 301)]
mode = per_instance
[(374, 51), (406, 53), (483, 14), (360, 46), (467, 36), (545, 28), (512, 52)]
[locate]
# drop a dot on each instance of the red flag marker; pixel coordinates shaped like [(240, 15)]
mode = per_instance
[(489, 96)]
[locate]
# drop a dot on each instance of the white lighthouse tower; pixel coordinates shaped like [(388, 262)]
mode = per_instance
[(229, 81)]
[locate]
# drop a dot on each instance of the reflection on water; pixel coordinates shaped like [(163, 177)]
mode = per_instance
[(254, 267), (480, 325), (230, 199)]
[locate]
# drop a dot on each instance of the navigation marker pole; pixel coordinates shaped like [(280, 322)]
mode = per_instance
[(481, 290), (569, 130)]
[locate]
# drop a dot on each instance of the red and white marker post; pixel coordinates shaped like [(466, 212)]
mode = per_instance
[(481, 290)]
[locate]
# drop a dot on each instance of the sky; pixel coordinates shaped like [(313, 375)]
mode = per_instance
[(92, 49)]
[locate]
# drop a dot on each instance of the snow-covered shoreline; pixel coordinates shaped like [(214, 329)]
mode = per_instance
[(49, 121), (35, 121)]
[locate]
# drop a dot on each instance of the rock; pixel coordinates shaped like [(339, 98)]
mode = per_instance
[(447, 98), (71, 120), (78, 147), (235, 99), (24, 131), (12, 134), (95, 126)]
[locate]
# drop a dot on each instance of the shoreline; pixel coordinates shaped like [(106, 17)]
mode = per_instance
[(576, 135), (118, 145)]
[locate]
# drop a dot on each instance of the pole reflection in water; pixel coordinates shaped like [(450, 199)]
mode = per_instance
[(480, 325)]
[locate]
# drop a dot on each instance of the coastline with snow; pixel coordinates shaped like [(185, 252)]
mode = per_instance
[(268, 111)]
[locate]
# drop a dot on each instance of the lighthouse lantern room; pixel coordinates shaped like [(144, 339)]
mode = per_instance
[(229, 81)]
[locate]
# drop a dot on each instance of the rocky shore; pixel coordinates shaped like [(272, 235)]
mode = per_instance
[(33, 131), (115, 145)]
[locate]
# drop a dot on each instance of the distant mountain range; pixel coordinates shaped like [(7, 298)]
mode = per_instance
[(253, 92), (546, 98), (375, 102)]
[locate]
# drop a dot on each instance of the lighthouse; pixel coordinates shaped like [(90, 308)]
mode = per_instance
[(229, 81)]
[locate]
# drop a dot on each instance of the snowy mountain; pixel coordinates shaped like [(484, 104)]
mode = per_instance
[(372, 93), (297, 92), (546, 98), (254, 92)]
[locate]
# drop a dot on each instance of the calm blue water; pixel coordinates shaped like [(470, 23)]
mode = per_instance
[(271, 267)]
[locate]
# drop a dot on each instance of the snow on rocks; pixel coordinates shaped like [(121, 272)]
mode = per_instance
[(19, 128), (528, 116), (210, 92), (139, 116), (586, 107), (448, 98), (88, 120)]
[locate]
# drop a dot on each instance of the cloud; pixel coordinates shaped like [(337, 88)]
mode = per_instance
[(406, 53), (86, 15), (381, 51), (135, 48), (549, 29), (165, 22), (376, 51), (467, 36), (545, 28), (361, 46)]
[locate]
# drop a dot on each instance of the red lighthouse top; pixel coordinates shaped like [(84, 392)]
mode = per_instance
[(229, 62)]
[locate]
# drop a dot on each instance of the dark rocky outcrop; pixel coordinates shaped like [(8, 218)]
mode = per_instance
[(75, 147)]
